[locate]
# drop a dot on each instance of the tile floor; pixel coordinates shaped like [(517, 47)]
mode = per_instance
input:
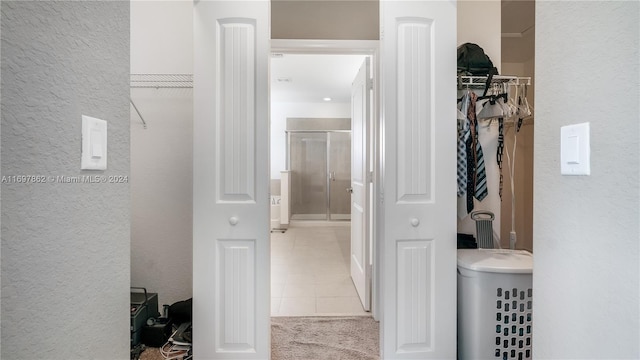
[(310, 272)]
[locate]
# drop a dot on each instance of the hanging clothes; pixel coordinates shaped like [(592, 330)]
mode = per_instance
[(476, 177), (500, 152), (480, 176), (464, 133), (471, 154)]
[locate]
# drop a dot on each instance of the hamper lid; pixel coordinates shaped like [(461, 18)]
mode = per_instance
[(496, 260)]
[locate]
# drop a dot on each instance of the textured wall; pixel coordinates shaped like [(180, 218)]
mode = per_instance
[(586, 232), (65, 246)]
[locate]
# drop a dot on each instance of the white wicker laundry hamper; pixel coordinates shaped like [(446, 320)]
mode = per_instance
[(494, 304)]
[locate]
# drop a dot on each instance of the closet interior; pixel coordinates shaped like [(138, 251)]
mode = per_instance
[(492, 116)]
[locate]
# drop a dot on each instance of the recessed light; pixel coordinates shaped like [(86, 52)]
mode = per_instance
[(326, 99)]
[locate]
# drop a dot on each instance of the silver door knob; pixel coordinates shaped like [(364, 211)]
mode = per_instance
[(350, 190)]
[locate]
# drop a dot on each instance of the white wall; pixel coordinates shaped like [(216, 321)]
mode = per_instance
[(279, 114), (65, 246), (586, 228), (161, 36), (162, 155), (325, 19), (479, 22)]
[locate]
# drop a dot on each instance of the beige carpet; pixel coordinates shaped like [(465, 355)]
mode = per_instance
[(320, 338), (317, 338)]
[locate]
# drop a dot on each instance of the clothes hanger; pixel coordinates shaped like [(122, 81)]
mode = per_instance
[(495, 106), (523, 104)]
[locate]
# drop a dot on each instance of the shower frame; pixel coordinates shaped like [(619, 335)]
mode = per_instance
[(329, 178)]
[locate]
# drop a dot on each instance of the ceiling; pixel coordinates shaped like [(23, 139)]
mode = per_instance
[(312, 77)]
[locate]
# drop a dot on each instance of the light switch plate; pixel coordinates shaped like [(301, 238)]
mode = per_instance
[(575, 150), (94, 144)]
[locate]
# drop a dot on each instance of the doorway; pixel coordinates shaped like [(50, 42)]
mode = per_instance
[(311, 138)]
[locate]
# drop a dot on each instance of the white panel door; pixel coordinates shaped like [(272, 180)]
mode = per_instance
[(231, 317), (360, 122), (418, 50)]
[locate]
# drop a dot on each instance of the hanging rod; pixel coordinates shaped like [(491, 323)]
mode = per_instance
[(157, 81), (144, 123), (480, 81)]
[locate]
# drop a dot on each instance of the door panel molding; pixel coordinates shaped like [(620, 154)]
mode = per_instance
[(415, 284), (235, 291), (415, 110), (235, 97)]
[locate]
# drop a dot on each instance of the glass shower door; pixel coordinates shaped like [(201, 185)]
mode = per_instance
[(308, 165), (339, 175)]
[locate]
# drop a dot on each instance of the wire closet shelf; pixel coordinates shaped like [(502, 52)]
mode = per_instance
[(157, 81), (466, 81)]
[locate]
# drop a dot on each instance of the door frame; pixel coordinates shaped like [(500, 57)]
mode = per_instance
[(370, 48)]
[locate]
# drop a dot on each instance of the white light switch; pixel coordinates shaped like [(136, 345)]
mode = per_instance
[(94, 144), (575, 152)]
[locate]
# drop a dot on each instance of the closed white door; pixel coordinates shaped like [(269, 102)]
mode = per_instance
[(418, 250), (231, 311), (360, 122)]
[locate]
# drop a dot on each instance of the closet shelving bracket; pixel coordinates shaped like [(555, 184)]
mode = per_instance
[(158, 81)]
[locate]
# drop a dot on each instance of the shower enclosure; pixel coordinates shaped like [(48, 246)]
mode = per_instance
[(320, 165)]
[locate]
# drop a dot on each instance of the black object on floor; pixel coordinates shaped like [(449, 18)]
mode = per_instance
[(158, 333), (181, 311), (466, 241)]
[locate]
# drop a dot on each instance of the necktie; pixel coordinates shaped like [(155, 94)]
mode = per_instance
[(480, 180), (500, 150), (463, 135), (470, 146)]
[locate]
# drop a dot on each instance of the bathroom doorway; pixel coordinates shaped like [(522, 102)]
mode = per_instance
[(311, 139)]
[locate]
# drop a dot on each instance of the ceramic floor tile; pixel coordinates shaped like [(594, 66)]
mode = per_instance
[(301, 290), (331, 278), (277, 289), (301, 270), (275, 305), (340, 305), (341, 289), (279, 273), (297, 306), (301, 279)]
